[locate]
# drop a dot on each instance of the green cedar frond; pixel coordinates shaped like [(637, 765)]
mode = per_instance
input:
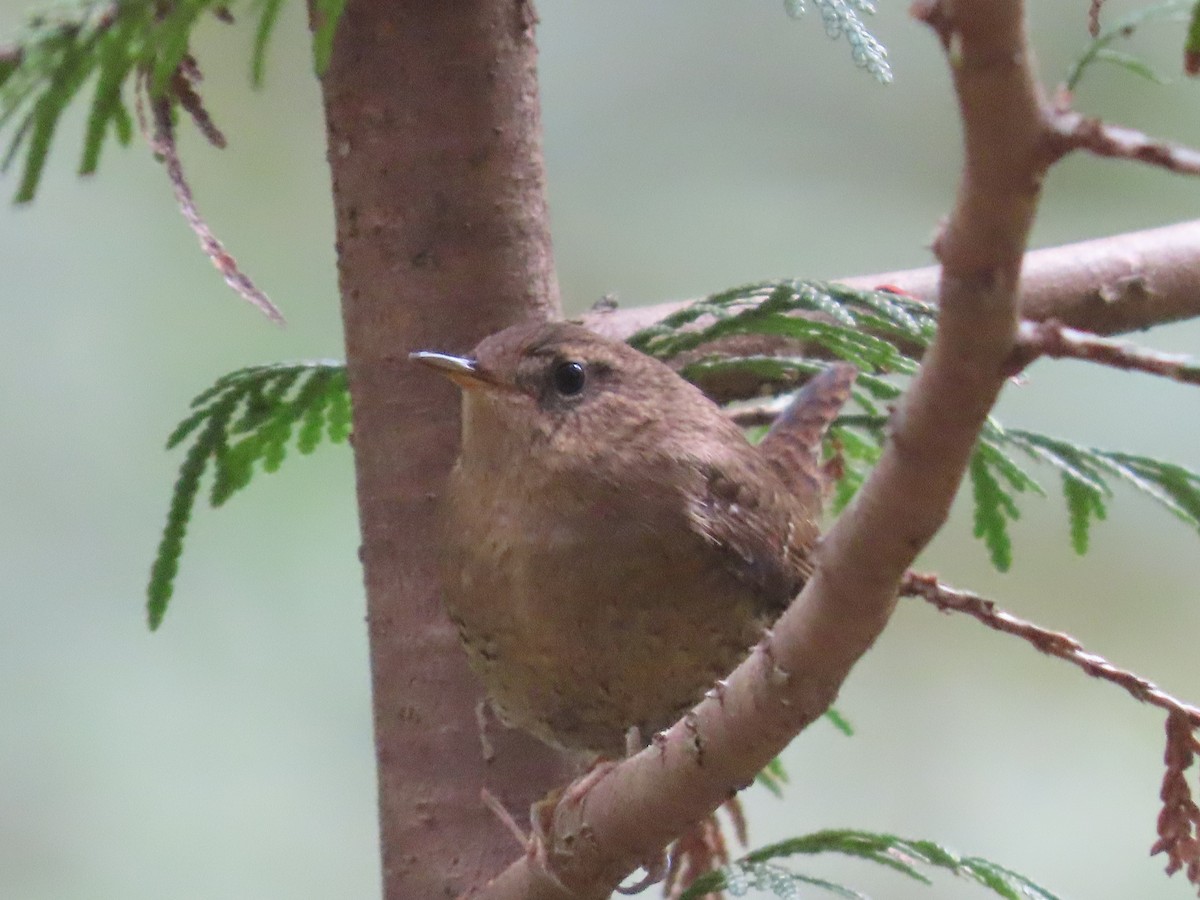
[(187, 486), (1176, 488), (844, 17), (992, 440), (783, 373), (312, 424), (1171, 486), (900, 854), (996, 477), (170, 36), (1085, 474), (860, 451), (1062, 455), (994, 505), (773, 777), (326, 14), (1191, 46), (840, 722), (835, 319), (1083, 502), (267, 425), (108, 112), (1100, 49), (264, 394), (867, 328), (52, 61), (53, 65), (114, 42), (993, 509), (740, 878), (338, 417), (267, 16), (1134, 65), (246, 417)]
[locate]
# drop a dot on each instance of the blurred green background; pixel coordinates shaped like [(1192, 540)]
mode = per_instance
[(691, 145)]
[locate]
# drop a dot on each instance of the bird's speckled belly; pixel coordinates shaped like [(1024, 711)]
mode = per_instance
[(641, 652)]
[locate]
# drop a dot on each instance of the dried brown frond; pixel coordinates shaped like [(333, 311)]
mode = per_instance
[(1179, 821), (1094, 18), (160, 132), (737, 818), (702, 849), (184, 84)]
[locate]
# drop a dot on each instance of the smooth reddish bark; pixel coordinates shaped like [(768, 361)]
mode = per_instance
[(442, 238)]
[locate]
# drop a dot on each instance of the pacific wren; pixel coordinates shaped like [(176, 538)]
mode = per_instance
[(612, 543)]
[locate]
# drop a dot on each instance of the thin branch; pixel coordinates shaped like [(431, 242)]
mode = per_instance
[(1051, 338), (1112, 285), (1074, 131), (1052, 643), (1116, 285)]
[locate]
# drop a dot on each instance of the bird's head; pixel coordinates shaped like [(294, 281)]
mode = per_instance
[(557, 388)]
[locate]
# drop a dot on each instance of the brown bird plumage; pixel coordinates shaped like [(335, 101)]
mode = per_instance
[(612, 542)]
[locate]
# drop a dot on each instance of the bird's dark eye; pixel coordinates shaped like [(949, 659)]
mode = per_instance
[(569, 378)]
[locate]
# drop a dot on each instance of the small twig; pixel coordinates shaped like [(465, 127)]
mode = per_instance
[(162, 141), (1074, 131), (1052, 338), (492, 802), (765, 412), (1052, 643), (486, 749)]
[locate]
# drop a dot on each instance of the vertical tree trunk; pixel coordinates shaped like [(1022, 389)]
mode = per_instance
[(442, 237)]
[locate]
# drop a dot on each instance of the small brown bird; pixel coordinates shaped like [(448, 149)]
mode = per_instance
[(612, 542)]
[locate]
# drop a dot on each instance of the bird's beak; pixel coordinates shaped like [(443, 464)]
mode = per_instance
[(462, 370)]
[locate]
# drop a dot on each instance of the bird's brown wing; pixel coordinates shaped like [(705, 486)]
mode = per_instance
[(760, 533)]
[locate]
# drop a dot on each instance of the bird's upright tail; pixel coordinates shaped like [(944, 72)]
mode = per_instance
[(793, 445)]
